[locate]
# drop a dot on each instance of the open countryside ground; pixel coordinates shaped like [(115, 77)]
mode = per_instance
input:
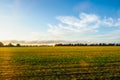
[(60, 63)]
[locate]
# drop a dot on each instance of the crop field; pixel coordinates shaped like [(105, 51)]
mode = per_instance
[(60, 63)]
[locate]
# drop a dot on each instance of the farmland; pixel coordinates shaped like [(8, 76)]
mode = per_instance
[(60, 63)]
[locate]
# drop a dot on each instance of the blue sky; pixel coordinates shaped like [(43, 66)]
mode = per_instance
[(85, 20)]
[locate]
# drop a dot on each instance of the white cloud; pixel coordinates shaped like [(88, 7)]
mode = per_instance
[(118, 22), (82, 24), (111, 22), (86, 25)]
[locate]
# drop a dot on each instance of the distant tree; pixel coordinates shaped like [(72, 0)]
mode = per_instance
[(100, 44), (1, 44), (111, 44), (10, 45), (60, 44), (18, 45), (118, 44), (85, 44)]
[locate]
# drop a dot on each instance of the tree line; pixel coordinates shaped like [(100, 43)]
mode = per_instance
[(61, 44), (9, 45), (85, 44)]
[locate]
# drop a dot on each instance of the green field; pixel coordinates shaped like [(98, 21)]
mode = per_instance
[(60, 63)]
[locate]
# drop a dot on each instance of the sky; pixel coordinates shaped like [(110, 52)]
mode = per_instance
[(83, 20)]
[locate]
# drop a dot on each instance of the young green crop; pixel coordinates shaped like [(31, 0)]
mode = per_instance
[(60, 63)]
